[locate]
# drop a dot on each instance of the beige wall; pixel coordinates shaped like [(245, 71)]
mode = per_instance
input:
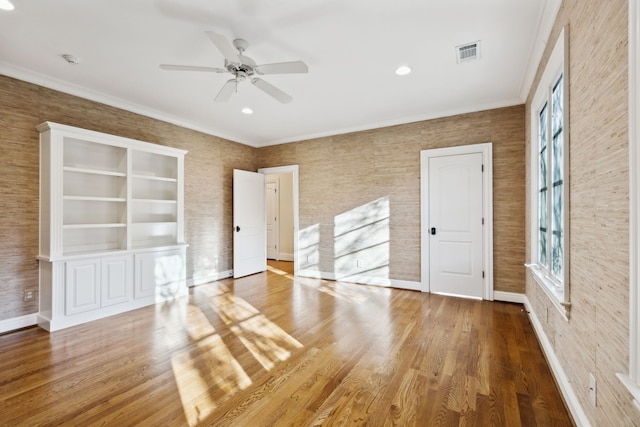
[(379, 167), (595, 339), (208, 179), (337, 174)]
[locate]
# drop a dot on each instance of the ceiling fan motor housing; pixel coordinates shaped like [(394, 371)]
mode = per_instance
[(246, 66)]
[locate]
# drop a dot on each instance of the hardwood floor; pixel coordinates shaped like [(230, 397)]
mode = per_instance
[(266, 350)]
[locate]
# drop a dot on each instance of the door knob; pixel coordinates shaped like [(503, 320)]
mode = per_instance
[(433, 231), (237, 228)]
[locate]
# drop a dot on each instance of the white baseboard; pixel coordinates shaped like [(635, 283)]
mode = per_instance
[(579, 416), (363, 280), (202, 280), (285, 257), (8, 325), (314, 274), (509, 297)]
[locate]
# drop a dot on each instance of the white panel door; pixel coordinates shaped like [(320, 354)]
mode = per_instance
[(455, 225), (271, 196), (249, 228)]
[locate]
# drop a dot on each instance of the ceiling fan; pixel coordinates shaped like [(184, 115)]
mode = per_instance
[(243, 68)]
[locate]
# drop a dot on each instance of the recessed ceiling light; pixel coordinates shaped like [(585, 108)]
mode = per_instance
[(403, 70), (247, 110), (6, 5)]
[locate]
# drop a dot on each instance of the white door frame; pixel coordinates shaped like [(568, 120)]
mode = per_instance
[(296, 226), (487, 211)]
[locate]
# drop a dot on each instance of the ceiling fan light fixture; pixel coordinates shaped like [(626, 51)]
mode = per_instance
[(242, 68), (246, 110), (403, 70), (6, 5)]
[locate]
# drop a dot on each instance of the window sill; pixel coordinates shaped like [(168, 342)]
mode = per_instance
[(550, 289), (632, 387)]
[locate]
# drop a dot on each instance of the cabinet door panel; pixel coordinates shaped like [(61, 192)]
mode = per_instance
[(161, 274), (82, 286), (117, 280)]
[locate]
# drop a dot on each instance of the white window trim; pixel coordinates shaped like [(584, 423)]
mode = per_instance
[(558, 63), (632, 379)]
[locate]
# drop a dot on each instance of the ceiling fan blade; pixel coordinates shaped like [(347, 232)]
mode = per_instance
[(226, 91), (283, 68), (223, 45), (191, 68), (270, 89)]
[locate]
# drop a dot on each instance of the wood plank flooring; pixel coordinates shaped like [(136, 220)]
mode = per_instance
[(267, 350)]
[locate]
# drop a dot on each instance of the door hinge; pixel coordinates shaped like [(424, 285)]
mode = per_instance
[(483, 274), (482, 168), (482, 221)]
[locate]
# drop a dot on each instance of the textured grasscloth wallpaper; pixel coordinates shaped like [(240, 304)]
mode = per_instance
[(208, 178), (380, 170), (596, 337), (337, 174)]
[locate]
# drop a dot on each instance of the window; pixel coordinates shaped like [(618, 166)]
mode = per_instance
[(549, 190), (632, 379)]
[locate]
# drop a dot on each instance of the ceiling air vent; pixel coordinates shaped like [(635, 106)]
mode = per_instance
[(468, 52)]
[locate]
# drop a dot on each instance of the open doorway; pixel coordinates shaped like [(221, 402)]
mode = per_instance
[(279, 212), (281, 199)]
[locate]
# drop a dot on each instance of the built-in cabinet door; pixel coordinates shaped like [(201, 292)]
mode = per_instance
[(117, 280), (160, 273), (82, 286), (145, 285)]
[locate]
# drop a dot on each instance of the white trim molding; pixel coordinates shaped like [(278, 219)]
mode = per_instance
[(545, 25), (361, 280), (570, 397), (286, 257), (486, 149), (509, 297), (632, 379), (208, 279), (15, 323)]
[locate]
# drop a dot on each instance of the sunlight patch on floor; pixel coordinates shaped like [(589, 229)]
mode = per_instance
[(211, 366), (344, 292), (266, 341), (336, 290), (279, 272)]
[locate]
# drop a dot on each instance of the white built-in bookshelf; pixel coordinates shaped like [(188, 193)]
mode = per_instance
[(111, 224)]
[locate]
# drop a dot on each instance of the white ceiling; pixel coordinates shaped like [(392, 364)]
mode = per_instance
[(352, 48)]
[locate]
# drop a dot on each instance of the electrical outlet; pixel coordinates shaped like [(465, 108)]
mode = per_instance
[(592, 389), (29, 295)]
